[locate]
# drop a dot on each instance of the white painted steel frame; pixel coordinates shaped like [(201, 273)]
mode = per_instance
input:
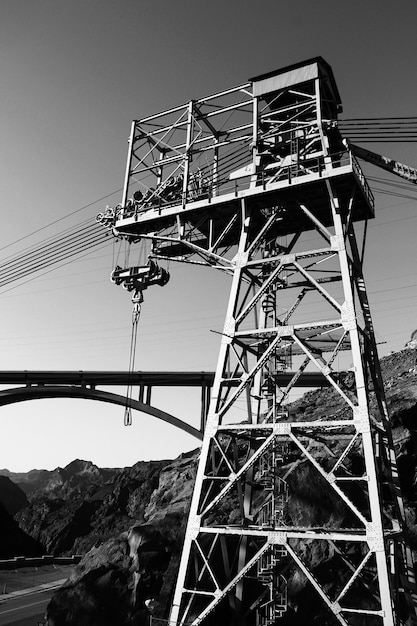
[(370, 534), (225, 217)]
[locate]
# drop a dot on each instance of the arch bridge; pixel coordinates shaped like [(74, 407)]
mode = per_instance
[(23, 385)]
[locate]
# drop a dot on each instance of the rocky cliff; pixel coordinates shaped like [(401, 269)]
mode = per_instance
[(14, 541), (72, 516), (114, 584), (153, 496), (11, 496)]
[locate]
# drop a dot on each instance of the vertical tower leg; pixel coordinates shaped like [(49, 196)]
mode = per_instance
[(194, 521)]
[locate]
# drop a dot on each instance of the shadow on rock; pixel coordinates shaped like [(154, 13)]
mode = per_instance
[(114, 584)]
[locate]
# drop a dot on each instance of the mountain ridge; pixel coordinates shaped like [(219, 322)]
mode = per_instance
[(61, 481)]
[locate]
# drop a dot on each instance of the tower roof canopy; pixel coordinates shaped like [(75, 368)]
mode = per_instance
[(296, 74)]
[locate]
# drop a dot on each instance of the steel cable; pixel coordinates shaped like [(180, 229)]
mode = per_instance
[(378, 130), (55, 250), (132, 357), (43, 261), (82, 238)]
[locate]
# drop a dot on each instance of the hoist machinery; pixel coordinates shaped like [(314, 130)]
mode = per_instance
[(139, 278), (297, 513)]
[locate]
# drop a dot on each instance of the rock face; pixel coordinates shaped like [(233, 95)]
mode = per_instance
[(156, 491), (11, 496), (15, 542), (116, 583), (63, 503)]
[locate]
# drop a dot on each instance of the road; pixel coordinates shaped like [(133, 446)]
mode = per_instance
[(25, 610)]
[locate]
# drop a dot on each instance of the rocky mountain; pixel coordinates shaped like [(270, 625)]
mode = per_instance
[(157, 490), (153, 495), (75, 478), (158, 494), (27, 481)]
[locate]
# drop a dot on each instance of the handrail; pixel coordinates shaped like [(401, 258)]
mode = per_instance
[(264, 178)]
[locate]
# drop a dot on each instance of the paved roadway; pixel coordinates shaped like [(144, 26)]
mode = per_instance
[(25, 610)]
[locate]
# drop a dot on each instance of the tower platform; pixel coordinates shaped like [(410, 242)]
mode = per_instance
[(295, 187)]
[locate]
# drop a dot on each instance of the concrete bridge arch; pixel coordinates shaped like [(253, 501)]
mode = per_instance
[(24, 385), (23, 394)]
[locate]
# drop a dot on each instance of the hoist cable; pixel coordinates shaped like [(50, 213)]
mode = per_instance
[(132, 357), (227, 160)]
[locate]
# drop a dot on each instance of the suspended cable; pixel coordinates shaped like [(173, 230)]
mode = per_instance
[(59, 251), (53, 245), (376, 119), (407, 186), (389, 129), (86, 206), (25, 282), (51, 238), (55, 249), (386, 192), (137, 299), (19, 275)]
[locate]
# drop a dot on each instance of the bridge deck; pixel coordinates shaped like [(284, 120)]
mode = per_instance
[(149, 379)]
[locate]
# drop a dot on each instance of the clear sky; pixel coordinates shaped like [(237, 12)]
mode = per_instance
[(73, 76)]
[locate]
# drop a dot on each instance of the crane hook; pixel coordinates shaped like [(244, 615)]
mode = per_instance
[(137, 300)]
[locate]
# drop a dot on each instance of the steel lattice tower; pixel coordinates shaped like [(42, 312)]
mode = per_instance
[(256, 182)]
